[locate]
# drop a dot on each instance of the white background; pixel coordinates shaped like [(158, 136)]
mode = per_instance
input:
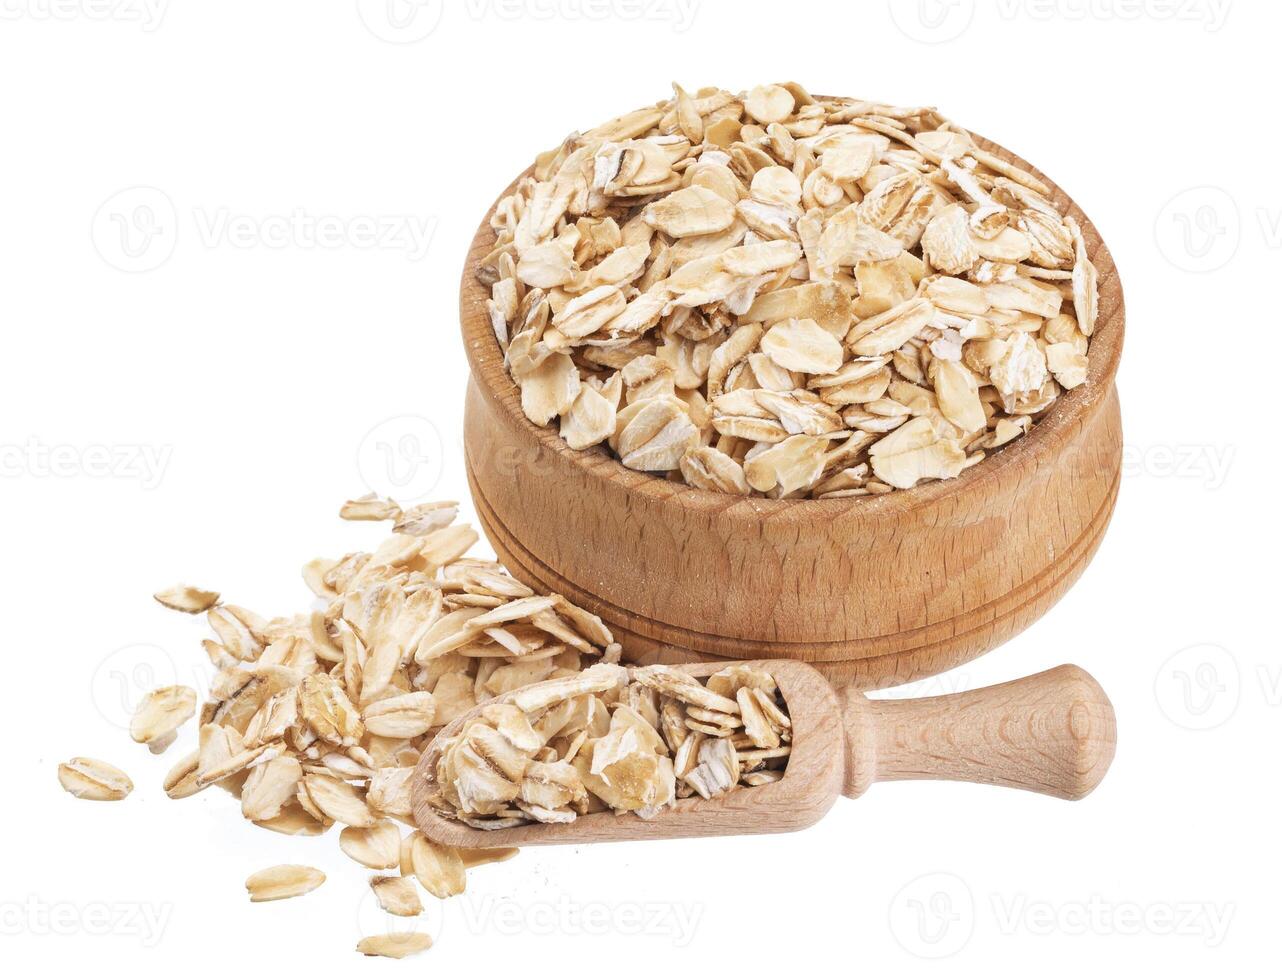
[(245, 378)]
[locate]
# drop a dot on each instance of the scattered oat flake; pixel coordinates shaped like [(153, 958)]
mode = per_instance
[(283, 881), (396, 895), (426, 518), (91, 779), (377, 846), (439, 869), (161, 712), (187, 598), (338, 800), (270, 787), (370, 508), (395, 945)]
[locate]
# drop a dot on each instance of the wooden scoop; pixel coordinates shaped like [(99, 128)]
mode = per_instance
[(1052, 733)]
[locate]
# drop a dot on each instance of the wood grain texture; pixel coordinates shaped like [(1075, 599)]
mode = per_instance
[(874, 590), (1052, 733)]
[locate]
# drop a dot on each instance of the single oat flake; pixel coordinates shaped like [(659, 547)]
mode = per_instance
[(91, 779), (751, 292), (187, 598), (160, 713), (283, 881), (397, 895), (395, 945)]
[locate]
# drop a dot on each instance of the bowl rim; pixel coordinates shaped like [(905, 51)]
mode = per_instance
[(1047, 436)]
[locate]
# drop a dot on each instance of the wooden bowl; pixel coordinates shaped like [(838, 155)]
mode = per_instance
[(872, 590)]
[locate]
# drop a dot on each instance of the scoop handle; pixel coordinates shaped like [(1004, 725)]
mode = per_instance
[(1053, 733)]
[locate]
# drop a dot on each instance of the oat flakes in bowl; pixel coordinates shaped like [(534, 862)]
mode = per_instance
[(766, 293), (826, 564)]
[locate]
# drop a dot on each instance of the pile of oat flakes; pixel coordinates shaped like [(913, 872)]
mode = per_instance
[(774, 293), (319, 718)]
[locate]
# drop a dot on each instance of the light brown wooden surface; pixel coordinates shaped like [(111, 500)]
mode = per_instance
[(873, 590), (1052, 733)]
